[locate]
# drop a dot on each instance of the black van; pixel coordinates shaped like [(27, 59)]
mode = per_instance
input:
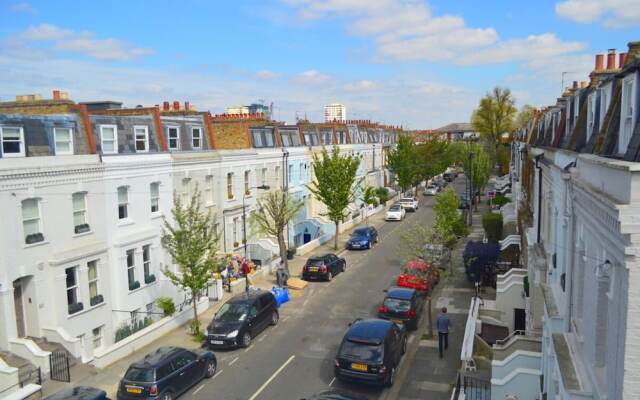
[(242, 318)]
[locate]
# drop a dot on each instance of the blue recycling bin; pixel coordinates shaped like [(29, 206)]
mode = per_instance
[(281, 295)]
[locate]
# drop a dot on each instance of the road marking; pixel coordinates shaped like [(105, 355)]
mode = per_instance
[(262, 337), (285, 318), (264, 385), (218, 373), (233, 361), (333, 380), (248, 348), (197, 390)]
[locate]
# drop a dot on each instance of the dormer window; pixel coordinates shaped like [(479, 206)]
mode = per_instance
[(627, 113), (591, 114), (173, 133), (142, 138), (12, 139), (196, 138), (109, 139), (63, 138)]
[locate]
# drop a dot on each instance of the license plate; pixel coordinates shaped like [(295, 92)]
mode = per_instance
[(134, 390), (217, 342), (313, 269), (359, 367), (397, 321), (355, 246)]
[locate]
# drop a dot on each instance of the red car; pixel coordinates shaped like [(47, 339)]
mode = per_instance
[(418, 275)]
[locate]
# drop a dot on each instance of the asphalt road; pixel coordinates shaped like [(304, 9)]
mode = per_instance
[(294, 359)]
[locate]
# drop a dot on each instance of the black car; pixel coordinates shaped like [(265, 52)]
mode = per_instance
[(402, 306), (79, 393), (323, 267), (336, 395), (242, 318), (463, 202), (363, 238), (371, 351), (166, 373)]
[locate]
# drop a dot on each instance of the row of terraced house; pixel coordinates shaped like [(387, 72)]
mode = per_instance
[(576, 191), (84, 188)]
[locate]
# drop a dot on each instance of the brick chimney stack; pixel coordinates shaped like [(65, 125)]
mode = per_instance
[(176, 105), (56, 95), (611, 59), (599, 62), (165, 106), (186, 106), (622, 58), (575, 85)]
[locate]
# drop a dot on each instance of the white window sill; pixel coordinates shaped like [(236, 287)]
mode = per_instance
[(211, 205), (28, 246), (125, 222), (82, 234), (143, 286), (86, 310), (157, 214)]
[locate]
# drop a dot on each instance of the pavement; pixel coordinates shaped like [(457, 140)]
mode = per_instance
[(294, 359)]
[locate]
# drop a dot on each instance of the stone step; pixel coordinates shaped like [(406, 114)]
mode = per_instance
[(27, 372), (47, 345)]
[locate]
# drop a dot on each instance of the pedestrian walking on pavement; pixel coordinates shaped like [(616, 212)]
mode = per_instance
[(245, 271), (443, 323), (281, 275)]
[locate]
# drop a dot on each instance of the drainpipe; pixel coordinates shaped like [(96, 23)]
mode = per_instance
[(570, 263), (539, 168)]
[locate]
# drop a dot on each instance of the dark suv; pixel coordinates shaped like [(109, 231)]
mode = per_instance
[(402, 306), (242, 318), (371, 351), (166, 373), (323, 267)]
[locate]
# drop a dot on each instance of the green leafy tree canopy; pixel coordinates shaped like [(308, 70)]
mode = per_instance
[(403, 162), (494, 116)]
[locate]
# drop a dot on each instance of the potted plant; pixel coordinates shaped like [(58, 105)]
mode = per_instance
[(236, 245), (34, 238), (75, 307), (149, 278), (82, 228), (95, 300), (134, 285), (167, 305)]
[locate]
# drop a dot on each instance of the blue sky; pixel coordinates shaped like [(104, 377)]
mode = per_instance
[(421, 64)]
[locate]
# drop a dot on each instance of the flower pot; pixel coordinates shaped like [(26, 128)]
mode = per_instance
[(134, 285), (82, 228), (149, 278), (34, 238), (75, 307), (96, 300)]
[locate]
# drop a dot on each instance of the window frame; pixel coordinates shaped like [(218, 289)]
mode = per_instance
[(146, 260), (131, 269), (115, 138), (39, 218), (627, 112), (185, 192), (70, 141), (177, 138), (85, 210), (146, 138), (125, 204), (208, 190), (74, 287), (21, 140), (97, 337), (154, 200), (263, 176), (247, 182), (230, 194), (199, 138), (95, 280)]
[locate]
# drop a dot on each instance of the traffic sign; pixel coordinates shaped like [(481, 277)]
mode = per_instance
[(491, 194)]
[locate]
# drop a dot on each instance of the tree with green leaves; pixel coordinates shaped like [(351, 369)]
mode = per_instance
[(335, 183), (494, 116), (272, 215), (192, 243), (433, 157), (403, 162), (525, 115), (448, 225), (370, 198)]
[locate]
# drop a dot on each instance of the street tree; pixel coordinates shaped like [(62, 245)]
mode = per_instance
[(433, 157), (335, 183), (370, 198), (272, 215), (448, 225), (494, 116), (192, 243), (403, 162), (525, 115), (476, 163)]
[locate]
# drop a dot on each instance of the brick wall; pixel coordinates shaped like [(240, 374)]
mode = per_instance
[(234, 134)]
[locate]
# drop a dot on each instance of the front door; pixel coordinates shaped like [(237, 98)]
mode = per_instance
[(519, 319), (19, 307)]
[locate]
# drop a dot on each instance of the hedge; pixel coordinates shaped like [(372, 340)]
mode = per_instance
[(492, 224)]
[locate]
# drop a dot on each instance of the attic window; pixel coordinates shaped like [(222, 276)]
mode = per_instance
[(109, 139), (627, 113), (12, 139), (174, 138), (63, 138)]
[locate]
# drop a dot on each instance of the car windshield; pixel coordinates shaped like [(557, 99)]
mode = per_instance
[(361, 233), (315, 261), (397, 305), (232, 312), (362, 351), (407, 200), (394, 208), (137, 374)]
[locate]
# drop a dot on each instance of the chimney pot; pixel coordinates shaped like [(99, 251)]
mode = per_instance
[(611, 59), (56, 95), (575, 85), (599, 62), (583, 84), (165, 106), (623, 58), (186, 106), (176, 105)]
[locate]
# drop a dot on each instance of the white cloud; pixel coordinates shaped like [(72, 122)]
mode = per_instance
[(407, 30), (23, 8), (362, 85), (312, 77), (612, 13), (266, 74), (58, 39)]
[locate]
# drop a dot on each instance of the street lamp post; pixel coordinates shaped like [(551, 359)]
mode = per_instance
[(244, 217), (471, 197)]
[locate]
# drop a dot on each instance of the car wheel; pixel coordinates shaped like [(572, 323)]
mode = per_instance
[(166, 396), (343, 267), (329, 276), (391, 377), (246, 340), (275, 318), (211, 369), (369, 245)]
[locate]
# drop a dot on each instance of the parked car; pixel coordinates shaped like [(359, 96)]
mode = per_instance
[(166, 373), (402, 306), (448, 176), (242, 318), (440, 183), (79, 393), (363, 238), (336, 395), (463, 202), (371, 351), (418, 275), (323, 267), (431, 190), (395, 213), (409, 203)]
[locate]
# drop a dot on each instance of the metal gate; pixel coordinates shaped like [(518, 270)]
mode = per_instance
[(59, 364), (476, 389)]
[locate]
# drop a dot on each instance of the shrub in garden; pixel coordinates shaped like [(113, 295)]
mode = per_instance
[(492, 224)]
